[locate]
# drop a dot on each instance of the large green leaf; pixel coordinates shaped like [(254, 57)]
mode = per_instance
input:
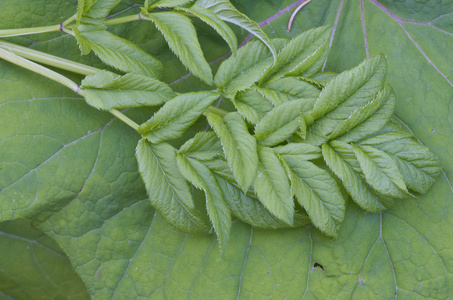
[(99, 214)]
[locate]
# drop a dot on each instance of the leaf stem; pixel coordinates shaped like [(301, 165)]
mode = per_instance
[(32, 30), (25, 63), (123, 118), (69, 20), (121, 20), (47, 59)]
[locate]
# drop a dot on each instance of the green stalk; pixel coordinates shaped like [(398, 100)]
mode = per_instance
[(123, 118), (68, 21), (25, 63), (47, 59), (121, 20), (32, 30)]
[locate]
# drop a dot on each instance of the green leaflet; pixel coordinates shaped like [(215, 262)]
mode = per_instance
[(118, 53), (351, 116), (215, 22), (239, 146), (319, 194), (303, 55), (378, 119), (227, 12), (380, 171), (218, 211), (106, 90), (167, 189), (181, 36), (272, 186), (252, 105), (358, 85), (241, 71), (340, 158), (299, 151), (168, 3), (94, 11), (279, 124), (289, 88), (204, 145), (418, 165), (249, 210), (176, 116)]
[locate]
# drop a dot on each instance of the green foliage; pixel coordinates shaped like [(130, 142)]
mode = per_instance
[(290, 145)]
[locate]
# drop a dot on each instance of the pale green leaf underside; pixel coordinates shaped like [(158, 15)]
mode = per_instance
[(106, 90), (252, 105), (319, 194), (167, 189), (94, 11), (218, 211), (204, 145), (239, 146), (303, 55), (341, 160), (279, 124), (272, 186), (227, 12), (380, 171), (176, 116), (168, 3), (299, 151), (181, 36), (358, 85), (419, 166), (215, 22), (119, 53)]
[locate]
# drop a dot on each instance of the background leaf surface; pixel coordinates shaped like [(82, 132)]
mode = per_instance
[(97, 210)]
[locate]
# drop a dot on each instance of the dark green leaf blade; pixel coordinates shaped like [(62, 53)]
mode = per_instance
[(272, 186), (303, 55), (227, 12), (381, 172), (239, 146), (176, 116), (319, 194), (106, 90), (181, 36), (215, 22), (218, 211), (167, 189), (419, 166), (340, 158), (279, 124), (119, 53)]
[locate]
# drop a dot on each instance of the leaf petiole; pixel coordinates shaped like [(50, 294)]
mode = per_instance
[(32, 30), (47, 59), (215, 110), (27, 64), (123, 118), (121, 20)]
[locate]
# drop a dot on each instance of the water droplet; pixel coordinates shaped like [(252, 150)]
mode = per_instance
[(259, 174)]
